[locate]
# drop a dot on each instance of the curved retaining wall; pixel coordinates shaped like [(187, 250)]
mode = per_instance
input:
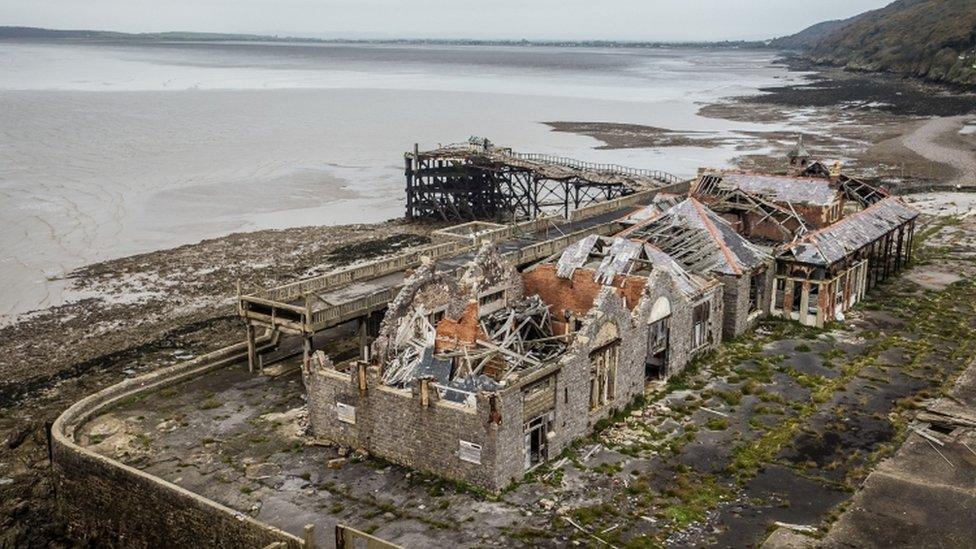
[(109, 504)]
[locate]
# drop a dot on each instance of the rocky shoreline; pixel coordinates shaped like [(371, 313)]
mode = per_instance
[(142, 313)]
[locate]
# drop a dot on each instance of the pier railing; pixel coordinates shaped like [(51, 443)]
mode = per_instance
[(582, 165), (298, 289), (514, 158)]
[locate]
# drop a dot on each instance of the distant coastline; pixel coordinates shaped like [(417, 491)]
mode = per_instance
[(36, 33)]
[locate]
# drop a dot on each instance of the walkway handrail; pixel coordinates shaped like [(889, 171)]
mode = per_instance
[(582, 165)]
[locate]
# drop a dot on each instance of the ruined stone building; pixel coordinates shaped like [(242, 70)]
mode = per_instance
[(483, 376), (484, 367), (824, 273), (706, 244)]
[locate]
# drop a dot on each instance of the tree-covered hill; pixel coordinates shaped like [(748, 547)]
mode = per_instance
[(931, 39)]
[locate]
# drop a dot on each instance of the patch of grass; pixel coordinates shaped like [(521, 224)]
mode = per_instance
[(608, 469), (730, 398), (717, 424), (595, 514), (802, 348), (210, 404), (692, 496)]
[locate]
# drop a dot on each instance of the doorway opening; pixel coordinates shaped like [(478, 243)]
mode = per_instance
[(658, 335), (537, 439)]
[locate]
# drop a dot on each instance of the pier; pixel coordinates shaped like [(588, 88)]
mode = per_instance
[(478, 180)]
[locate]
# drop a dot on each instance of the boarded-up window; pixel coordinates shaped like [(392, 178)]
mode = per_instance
[(538, 397), (470, 452), (701, 325), (346, 413)]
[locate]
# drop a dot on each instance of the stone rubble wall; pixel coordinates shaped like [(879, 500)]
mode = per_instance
[(108, 504), (395, 425), (737, 317)]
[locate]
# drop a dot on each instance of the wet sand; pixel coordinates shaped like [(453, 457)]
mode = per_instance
[(116, 149), (901, 133), (940, 141)]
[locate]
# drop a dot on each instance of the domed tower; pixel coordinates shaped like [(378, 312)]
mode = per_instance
[(798, 156)]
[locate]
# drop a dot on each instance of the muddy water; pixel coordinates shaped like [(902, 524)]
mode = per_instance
[(113, 149)]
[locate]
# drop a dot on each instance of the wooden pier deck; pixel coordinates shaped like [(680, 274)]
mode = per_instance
[(477, 180)]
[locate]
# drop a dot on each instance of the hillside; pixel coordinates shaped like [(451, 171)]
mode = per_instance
[(810, 36), (931, 39)]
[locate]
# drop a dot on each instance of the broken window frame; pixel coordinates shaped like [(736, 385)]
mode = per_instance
[(603, 374), (701, 325), (543, 423), (813, 298), (435, 317), (797, 295), (491, 298), (757, 287)]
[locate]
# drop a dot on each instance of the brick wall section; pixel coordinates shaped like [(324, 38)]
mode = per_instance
[(461, 332), (578, 294)]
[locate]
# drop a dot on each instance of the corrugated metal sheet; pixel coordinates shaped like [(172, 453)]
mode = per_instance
[(575, 256), (781, 188), (617, 260), (729, 252), (834, 243), (686, 282), (662, 202)]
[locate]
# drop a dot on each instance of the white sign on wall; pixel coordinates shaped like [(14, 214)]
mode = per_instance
[(470, 452), (346, 412)]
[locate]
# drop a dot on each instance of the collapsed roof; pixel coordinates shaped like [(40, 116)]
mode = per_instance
[(700, 240), (659, 204), (814, 191), (610, 257), (835, 242), (516, 337)]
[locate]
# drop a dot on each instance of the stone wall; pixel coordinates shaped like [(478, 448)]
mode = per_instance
[(394, 424), (737, 318), (108, 504)]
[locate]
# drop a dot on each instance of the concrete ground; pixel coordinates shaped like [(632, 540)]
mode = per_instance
[(779, 426)]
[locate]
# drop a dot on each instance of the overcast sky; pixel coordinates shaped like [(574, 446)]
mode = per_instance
[(509, 19)]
